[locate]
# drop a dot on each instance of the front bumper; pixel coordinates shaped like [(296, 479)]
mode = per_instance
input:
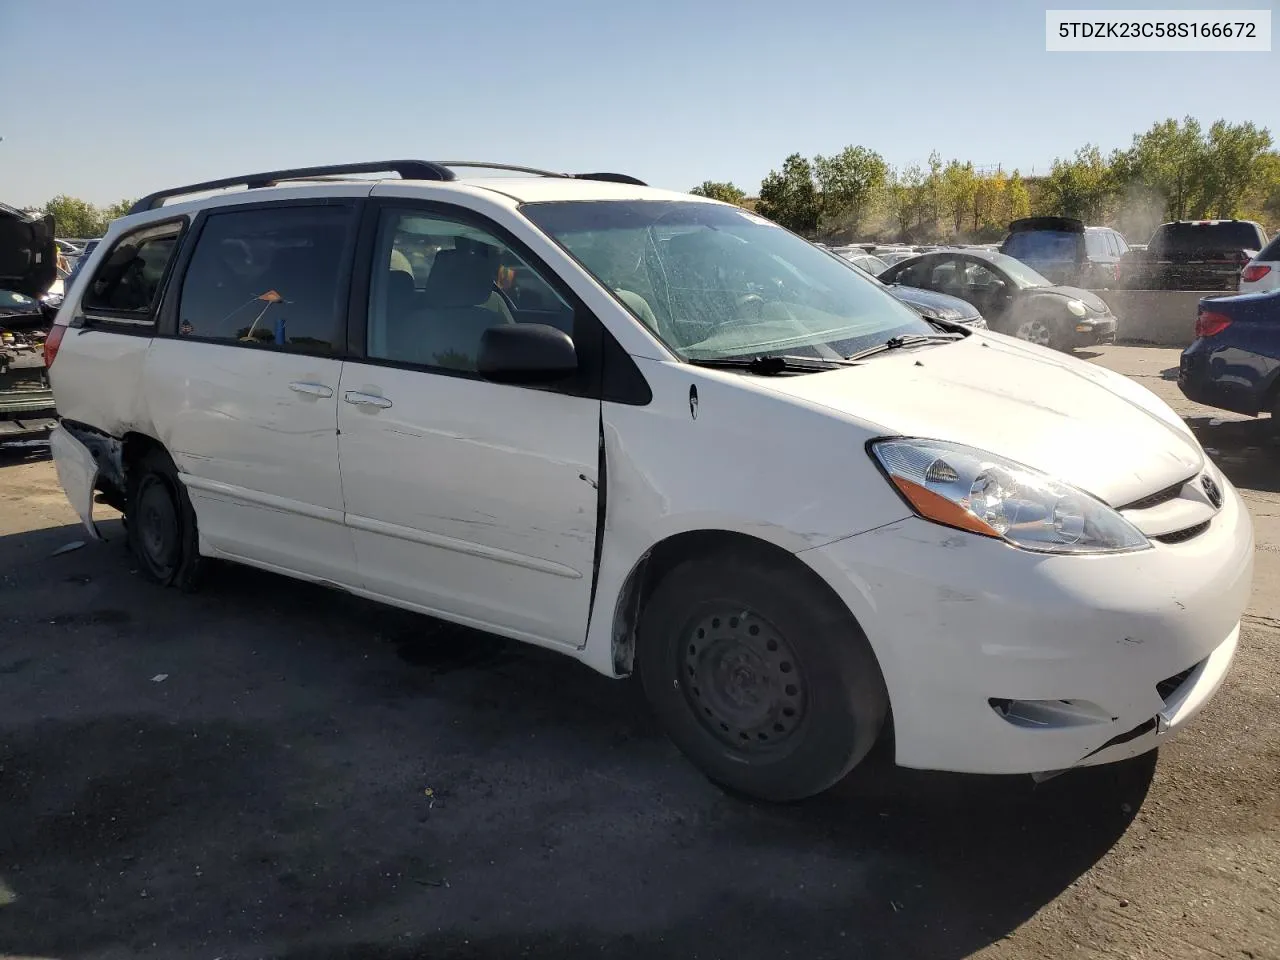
[(998, 660), (1093, 330)]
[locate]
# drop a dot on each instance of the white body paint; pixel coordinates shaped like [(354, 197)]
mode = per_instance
[(477, 502)]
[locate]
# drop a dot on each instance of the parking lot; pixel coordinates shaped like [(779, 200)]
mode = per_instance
[(270, 769)]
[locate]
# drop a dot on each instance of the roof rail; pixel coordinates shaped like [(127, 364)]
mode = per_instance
[(483, 165), (407, 169)]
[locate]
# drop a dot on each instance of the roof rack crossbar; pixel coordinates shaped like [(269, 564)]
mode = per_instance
[(407, 169)]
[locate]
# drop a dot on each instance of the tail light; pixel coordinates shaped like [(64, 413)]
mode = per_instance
[(1254, 272), (1210, 324), (51, 343)]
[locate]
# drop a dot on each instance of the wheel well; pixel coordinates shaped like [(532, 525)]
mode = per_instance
[(133, 448), (662, 558)]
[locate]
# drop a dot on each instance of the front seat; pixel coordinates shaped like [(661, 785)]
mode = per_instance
[(458, 307)]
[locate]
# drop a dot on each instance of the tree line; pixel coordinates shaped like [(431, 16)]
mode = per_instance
[(1176, 170), (73, 217)]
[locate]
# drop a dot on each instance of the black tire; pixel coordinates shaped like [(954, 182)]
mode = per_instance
[(161, 524), (793, 695)]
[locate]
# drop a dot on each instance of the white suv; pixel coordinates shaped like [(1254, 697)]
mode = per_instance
[(655, 433)]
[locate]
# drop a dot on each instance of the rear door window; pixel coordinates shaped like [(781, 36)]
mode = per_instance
[(1095, 245), (1190, 239), (129, 281), (271, 277), (1042, 245)]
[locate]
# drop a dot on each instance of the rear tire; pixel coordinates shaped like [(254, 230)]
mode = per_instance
[(161, 524), (759, 675)]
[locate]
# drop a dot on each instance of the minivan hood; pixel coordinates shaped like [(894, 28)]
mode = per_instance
[(1075, 421)]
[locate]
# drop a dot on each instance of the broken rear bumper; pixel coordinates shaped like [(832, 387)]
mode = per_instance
[(77, 472)]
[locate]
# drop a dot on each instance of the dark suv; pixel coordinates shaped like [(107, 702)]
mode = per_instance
[(1065, 251), (1194, 255)]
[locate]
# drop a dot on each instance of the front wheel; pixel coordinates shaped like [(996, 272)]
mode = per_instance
[(1041, 332), (760, 675)]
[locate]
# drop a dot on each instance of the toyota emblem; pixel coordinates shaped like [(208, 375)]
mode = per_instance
[(1212, 491)]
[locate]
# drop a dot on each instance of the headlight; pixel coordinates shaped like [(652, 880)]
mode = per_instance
[(1077, 308), (965, 488)]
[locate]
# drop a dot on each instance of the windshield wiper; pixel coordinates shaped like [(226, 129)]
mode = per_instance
[(911, 340), (770, 364)]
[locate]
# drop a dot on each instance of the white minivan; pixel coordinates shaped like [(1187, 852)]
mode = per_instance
[(661, 435)]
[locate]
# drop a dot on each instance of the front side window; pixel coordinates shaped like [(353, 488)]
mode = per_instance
[(438, 284), (128, 281), (717, 282), (271, 276)]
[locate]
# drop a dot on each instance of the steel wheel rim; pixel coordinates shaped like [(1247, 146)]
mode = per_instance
[(742, 680), (157, 526), (1034, 331)]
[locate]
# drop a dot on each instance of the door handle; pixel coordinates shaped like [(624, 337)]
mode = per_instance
[(311, 389), (366, 399)]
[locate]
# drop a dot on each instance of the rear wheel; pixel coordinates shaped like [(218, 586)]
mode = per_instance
[(161, 523), (759, 675)]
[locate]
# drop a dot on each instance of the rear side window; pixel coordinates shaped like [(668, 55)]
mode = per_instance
[(270, 277), (1042, 245), (1191, 238), (127, 284)]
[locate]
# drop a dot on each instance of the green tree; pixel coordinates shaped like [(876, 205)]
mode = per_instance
[(718, 190), (1016, 202), (1232, 155), (933, 192), (849, 181), (789, 198), (907, 200), (114, 212), (1169, 159), (959, 184), (1080, 187), (73, 217)]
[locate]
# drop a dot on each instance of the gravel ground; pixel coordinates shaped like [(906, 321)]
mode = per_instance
[(269, 769)]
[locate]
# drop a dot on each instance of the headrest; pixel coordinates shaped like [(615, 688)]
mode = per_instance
[(462, 278)]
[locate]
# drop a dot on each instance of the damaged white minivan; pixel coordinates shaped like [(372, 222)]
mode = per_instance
[(661, 435)]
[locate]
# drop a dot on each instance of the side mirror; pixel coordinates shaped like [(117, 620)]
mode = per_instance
[(526, 353)]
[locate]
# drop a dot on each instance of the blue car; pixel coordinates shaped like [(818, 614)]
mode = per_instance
[(1234, 362)]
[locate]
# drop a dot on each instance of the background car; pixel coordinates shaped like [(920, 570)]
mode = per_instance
[(1064, 250), (1234, 362), (1012, 297), (927, 303), (1263, 271), (1194, 255)]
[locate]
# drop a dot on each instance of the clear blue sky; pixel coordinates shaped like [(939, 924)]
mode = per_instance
[(106, 100)]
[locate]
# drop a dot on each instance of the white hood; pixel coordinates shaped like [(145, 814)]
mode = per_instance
[(1073, 420)]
